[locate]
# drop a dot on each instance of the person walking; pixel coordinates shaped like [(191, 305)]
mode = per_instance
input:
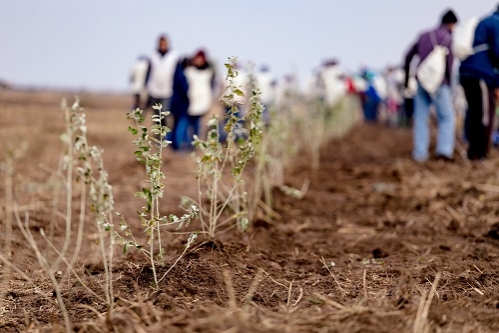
[(479, 77), (373, 95), (331, 76), (138, 81), (160, 76), (266, 83), (409, 93), (179, 107), (201, 79), (423, 99), (394, 80)]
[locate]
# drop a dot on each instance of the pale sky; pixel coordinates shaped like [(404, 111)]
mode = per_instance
[(92, 44)]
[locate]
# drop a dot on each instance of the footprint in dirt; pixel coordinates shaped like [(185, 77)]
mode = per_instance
[(379, 253), (494, 231)]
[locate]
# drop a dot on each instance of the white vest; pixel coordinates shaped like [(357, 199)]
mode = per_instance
[(200, 91), (138, 76), (241, 82), (334, 87), (160, 83), (264, 81)]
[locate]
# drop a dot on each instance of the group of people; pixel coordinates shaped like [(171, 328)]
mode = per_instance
[(478, 77), (381, 93), (406, 94), (187, 87), (183, 86)]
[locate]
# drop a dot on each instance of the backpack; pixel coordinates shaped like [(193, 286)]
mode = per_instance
[(463, 38), (431, 71)]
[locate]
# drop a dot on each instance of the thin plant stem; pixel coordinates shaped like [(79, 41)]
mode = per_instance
[(9, 198), (56, 196), (111, 258), (81, 223), (69, 190), (200, 197), (189, 242), (153, 265), (45, 266), (102, 246), (22, 274), (70, 266)]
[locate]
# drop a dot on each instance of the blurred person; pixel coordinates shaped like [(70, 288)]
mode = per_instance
[(460, 107), (334, 87), (241, 82), (160, 75), (480, 80), (359, 84), (286, 89), (266, 83), (408, 94), (314, 88), (372, 96), (179, 106), (350, 85), (409, 90), (394, 81), (138, 81), (442, 35), (201, 79)]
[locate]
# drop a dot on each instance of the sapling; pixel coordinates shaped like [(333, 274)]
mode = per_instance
[(12, 154), (150, 144), (278, 149), (81, 163), (96, 192), (220, 165)]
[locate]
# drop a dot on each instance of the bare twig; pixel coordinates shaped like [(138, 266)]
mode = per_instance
[(424, 306), (252, 288), (230, 291), (8, 226), (45, 265), (365, 286), (323, 261), (278, 283)]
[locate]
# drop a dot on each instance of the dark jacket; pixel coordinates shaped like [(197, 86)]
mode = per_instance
[(423, 47), (484, 65), (180, 99)]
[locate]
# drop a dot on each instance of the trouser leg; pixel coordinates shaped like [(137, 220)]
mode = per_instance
[(446, 122)]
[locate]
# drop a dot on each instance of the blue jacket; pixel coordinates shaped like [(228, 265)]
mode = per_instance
[(484, 65)]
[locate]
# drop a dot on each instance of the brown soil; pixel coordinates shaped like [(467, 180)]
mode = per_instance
[(376, 239)]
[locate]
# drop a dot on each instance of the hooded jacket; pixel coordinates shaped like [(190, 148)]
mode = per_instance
[(484, 65)]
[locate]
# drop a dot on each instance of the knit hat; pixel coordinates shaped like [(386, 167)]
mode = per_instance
[(449, 17), (201, 53)]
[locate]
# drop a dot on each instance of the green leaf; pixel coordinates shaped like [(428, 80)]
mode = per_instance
[(157, 106), (132, 130), (146, 191), (238, 92)]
